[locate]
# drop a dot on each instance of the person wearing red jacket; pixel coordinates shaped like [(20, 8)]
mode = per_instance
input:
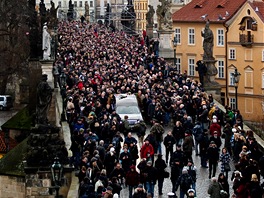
[(215, 127), (147, 150)]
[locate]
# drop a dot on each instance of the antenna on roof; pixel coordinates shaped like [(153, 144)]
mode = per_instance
[(227, 13), (204, 16), (256, 9)]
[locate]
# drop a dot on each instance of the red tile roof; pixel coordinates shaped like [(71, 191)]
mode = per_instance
[(260, 7), (214, 9)]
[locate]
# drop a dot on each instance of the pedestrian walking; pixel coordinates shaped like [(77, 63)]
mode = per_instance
[(225, 160), (213, 157), (169, 142), (160, 165)]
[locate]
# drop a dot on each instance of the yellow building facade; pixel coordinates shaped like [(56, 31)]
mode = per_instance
[(238, 44), (141, 8), (245, 51)]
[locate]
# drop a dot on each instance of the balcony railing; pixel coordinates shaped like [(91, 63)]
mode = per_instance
[(246, 39)]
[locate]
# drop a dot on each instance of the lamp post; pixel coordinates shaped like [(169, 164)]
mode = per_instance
[(236, 76), (174, 42), (63, 92), (56, 172)]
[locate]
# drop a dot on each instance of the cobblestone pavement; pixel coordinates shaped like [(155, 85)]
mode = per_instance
[(202, 183)]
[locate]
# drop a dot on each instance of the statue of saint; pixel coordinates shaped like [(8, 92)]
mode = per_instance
[(87, 8), (149, 16), (208, 42), (46, 43), (164, 15), (44, 96), (53, 20)]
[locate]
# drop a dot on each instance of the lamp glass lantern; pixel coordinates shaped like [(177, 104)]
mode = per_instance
[(175, 41), (236, 75), (56, 171)]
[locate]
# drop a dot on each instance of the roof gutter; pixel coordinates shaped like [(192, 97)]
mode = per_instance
[(226, 59)]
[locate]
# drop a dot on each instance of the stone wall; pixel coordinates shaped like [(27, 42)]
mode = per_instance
[(11, 186)]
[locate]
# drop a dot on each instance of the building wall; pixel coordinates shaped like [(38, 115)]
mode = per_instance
[(249, 62), (12, 187), (141, 8), (186, 51)]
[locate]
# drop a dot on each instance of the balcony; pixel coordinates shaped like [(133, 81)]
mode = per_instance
[(246, 40)]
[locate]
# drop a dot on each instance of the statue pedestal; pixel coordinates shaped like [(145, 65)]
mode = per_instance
[(150, 31), (210, 85), (165, 49), (47, 68)]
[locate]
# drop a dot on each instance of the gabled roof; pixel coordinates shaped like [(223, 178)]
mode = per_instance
[(259, 8), (217, 11)]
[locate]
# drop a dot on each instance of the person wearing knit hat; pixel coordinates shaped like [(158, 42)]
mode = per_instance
[(184, 182), (132, 179)]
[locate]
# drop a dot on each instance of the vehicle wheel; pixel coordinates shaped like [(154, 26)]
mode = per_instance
[(1, 108)]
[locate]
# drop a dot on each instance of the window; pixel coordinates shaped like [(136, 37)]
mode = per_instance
[(221, 69), (178, 35), (80, 4), (262, 55), (75, 4), (220, 37), (191, 66), (191, 36), (59, 4), (262, 80), (232, 103), (232, 54), (231, 79), (91, 3), (178, 65)]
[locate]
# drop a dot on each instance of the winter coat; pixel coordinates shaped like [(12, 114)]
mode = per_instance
[(145, 150), (132, 178), (184, 181), (160, 165), (214, 190), (215, 127), (169, 141), (224, 159), (139, 194), (188, 144), (213, 154)]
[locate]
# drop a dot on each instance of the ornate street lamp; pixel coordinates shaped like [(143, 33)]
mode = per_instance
[(174, 42), (63, 92), (236, 76), (56, 172)]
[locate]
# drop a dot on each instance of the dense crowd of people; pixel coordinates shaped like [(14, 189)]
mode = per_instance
[(98, 63)]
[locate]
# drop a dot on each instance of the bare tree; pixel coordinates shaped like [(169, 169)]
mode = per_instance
[(14, 42)]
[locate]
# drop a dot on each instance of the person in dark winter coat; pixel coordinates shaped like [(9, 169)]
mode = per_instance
[(213, 157), (216, 139), (160, 165), (224, 182), (184, 181), (203, 149), (110, 161), (169, 142), (140, 192), (150, 174), (214, 188), (176, 171), (178, 155), (132, 179)]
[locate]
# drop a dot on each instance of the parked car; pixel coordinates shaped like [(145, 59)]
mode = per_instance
[(127, 104), (6, 102)]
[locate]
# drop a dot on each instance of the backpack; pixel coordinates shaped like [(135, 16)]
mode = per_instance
[(185, 182), (198, 133)]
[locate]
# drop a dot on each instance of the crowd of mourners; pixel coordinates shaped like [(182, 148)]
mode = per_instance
[(99, 62)]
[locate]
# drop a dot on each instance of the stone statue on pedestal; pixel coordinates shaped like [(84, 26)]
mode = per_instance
[(208, 59), (87, 11), (44, 96), (208, 42), (53, 20), (164, 15), (149, 16), (46, 43)]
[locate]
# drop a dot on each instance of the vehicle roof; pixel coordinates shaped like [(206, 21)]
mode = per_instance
[(126, 99)]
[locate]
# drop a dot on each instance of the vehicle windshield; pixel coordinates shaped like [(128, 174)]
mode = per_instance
[(127, 110)]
